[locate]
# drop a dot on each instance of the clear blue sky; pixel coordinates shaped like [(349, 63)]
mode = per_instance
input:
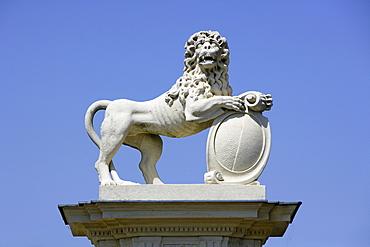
[(57, 57)]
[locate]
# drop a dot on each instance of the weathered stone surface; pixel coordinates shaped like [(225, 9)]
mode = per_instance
[(181, 192), (179, 223), (199, 96)]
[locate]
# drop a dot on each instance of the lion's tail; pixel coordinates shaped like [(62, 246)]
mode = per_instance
[(89, 117)]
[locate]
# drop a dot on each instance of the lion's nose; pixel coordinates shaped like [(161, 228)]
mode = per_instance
[(207, 45)]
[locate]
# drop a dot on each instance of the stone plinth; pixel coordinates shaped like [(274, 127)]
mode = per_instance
[(181, 192), (216, 222)]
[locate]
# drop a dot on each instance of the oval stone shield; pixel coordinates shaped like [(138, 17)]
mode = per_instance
[(238, 147)]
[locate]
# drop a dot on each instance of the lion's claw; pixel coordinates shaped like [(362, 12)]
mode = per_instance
[(235, 103)]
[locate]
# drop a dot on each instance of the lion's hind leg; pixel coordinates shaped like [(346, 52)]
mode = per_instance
[(150, 147), (116, 178), (113, 135)]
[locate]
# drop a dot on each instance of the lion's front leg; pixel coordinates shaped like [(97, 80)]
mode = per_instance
[(208, 109)]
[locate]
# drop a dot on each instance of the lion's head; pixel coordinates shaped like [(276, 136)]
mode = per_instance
[(205, 72)]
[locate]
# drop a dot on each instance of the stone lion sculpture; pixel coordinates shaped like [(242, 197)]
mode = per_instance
[(189, 107)]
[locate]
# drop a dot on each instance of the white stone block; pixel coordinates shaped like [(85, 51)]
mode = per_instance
[(182, 192)]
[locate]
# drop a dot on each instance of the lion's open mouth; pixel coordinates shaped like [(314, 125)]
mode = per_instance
[(207, 59)]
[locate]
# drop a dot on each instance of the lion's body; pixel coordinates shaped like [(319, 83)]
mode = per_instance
[(158, 118), (190, 106)]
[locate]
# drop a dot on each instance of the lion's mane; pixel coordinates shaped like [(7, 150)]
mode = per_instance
[(196, 84)]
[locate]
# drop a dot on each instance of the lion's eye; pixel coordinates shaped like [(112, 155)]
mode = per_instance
[(201, 42)]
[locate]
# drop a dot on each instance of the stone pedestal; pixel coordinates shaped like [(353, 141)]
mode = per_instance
[(182, 192), (179, 216)]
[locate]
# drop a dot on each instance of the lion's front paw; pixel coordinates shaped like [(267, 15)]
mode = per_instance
[(234, 103), (257, 101), (267, 99)]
